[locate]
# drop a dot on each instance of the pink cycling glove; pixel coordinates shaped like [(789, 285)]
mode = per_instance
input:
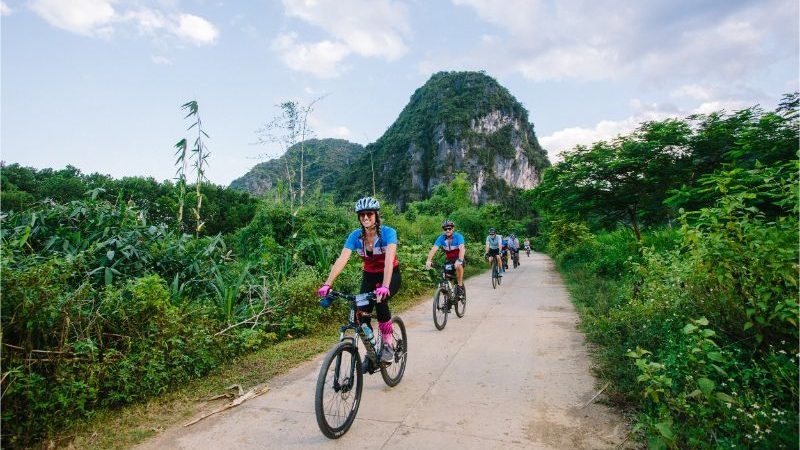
[(382, 292), (323, 291)]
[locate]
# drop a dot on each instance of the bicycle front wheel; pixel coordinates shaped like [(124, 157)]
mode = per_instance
[(338, 392), (494, 275), (439, 310), (393, 373)]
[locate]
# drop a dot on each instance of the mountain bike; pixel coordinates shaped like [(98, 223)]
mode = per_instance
[(495, 273), (445, 296), (515, 258), (340, 380), (528, 251)]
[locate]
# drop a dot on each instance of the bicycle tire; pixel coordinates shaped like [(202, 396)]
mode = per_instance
[(393, 373), (494, 275), (340, 404), (461, 303), (439, 311)]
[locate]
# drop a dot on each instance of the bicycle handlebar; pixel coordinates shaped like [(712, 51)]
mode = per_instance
[(368, 296)]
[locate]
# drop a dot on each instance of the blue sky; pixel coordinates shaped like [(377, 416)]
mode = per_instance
[(99, 83)]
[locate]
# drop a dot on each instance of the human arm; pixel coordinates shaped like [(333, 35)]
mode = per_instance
[(433, 251), (338, 266), (388, 269)]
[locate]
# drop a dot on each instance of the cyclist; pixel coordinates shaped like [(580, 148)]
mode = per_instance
[(528, 246), (513, 245), (376, 244), (494, 244), (504, 253), (452, 244)]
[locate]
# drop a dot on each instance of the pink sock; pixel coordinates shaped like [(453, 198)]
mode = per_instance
[(386, 332)]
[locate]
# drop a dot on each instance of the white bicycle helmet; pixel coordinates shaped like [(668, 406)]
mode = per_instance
[(367, 204)]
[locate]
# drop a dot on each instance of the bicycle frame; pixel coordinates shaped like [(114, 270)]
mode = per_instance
[(353, 324), (445, 285)]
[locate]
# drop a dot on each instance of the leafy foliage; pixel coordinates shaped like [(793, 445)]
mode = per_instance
[(325, 161), (442, 112), (101, 307), (697, 323), (642, 179)]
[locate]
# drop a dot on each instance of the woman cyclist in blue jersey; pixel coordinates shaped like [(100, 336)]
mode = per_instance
[(376, 244)]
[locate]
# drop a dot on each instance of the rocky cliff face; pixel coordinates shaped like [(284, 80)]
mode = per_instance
[(515, 168), (456, 122)]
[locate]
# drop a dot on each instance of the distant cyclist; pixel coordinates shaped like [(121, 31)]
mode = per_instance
[(513, 245), (504, 253), (527, 244), (494, 244), (376, 244), (452, 244)]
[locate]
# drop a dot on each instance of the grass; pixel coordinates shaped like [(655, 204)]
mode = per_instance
[(130, 425)]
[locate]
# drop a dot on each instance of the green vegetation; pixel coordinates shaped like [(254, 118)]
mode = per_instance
[(680, 246), (441, 113), (107, 303), (435, 137), (325, 162)]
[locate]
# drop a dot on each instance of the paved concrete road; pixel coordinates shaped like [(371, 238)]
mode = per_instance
[(513, 373)]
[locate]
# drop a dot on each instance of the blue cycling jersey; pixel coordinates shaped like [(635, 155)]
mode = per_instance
[(450, 247), (375, 260)]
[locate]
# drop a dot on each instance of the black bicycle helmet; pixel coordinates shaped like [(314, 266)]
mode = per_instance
[(448, 223), (492, 230), (367, 204)]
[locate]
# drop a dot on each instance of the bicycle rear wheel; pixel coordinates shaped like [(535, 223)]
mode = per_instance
[(461, 302), (393, 373), (338, 392), (439, 310)]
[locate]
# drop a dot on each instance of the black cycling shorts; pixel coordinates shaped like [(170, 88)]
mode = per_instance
[(494, 251), (453, 262)]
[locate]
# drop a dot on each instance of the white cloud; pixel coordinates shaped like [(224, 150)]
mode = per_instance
[(369, 28), (4, 9), (320, 58), (161, 60), (98, 18), (86, 17), (197, 30), (568, 138), (661, 42), (148, 21), (341, 132), (692, 91), (719, 105)]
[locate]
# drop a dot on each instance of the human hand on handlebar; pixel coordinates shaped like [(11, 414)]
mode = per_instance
[(323, 291), (382, 292), (428, 264)]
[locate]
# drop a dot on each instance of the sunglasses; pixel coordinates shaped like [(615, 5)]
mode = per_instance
[(491, 234), (448, 229), (366, 214)]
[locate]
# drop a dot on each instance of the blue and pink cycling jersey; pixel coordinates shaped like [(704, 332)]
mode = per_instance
[(450, 247), (373, 261)]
